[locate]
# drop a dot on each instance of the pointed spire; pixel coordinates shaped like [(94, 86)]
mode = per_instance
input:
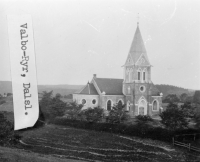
[(137, 46)]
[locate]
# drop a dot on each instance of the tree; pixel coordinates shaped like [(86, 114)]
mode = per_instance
[(117, 114), (171, 98), (52, 107), (197, 115), (196, 97), (188, 109), (183, 97), (58, 107), (7, 135), (45, 103), (93, 114), (173, 117), (73, 110)]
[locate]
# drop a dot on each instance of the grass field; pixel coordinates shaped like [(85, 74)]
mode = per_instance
[(19, 155), (66, 142)]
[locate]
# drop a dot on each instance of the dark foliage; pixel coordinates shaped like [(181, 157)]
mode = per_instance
[(7, 134), (41, 120), (188, 109), (196, 97), (183, 97), (51, 107), (93, 114), (173, 118), (155, 133), (73, 111), (171, 98), (117, 114), (143, 118)]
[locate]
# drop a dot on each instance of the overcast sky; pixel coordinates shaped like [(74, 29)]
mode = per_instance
[(76, 39)]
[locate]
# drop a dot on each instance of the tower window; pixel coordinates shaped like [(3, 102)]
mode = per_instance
[(138, 75), (144, 75), (109, 105)]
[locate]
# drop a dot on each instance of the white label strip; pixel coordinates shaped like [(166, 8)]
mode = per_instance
[(23, 71)]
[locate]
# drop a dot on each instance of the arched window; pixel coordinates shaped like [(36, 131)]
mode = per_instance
[(129, 90), (120, 104), (155, 105), (144, 75), (128, 106), (139, 74), (109, 104)]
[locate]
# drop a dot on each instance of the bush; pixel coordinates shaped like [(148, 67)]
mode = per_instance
[(117, 115), (52, 107), (144, 118), (7, 134), (73, 111), (173, 117), (93, 114)]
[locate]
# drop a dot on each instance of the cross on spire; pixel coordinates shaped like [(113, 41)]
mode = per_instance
[(138, 18)]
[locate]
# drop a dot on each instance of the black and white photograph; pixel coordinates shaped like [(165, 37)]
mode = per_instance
[(100, 81)]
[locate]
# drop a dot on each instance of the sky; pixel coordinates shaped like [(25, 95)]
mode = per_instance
[(75, 39)]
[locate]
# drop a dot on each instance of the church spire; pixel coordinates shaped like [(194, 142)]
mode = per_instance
[(137, 47)]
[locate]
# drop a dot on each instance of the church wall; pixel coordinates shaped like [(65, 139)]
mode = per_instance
[(114, 99), (78, 98)]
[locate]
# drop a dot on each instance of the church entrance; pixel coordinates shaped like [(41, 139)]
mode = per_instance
[(142, 109)]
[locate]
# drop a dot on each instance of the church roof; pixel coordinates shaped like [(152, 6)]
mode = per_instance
[(89, 89), (137, 47), (109, 86)]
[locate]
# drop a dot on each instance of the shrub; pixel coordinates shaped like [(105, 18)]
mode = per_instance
[(73, 111), (7, 135), (117, 115), (52, 107), (144, 118), (174, 117), (93, 114)]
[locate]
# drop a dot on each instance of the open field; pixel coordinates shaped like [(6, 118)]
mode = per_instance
[(18, 155), (66, 142)]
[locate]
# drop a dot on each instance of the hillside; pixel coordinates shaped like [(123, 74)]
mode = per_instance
[(169, 89), (65, 89)]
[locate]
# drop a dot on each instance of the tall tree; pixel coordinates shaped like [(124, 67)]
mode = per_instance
[(196, 97), (173, 117), (183, 97)]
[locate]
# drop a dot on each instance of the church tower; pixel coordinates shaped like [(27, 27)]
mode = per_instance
[(137, 86)]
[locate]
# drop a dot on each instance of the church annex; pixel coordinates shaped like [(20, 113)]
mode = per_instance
[(136, 89)]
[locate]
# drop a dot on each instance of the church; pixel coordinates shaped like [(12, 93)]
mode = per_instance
[(135, 90)]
